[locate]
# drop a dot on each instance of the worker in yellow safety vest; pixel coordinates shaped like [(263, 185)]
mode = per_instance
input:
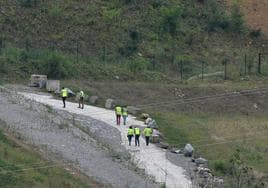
[(118, 113), (137, 136), (81, 99), (64, 95), (148, 131), (124, 114), (130, 134)]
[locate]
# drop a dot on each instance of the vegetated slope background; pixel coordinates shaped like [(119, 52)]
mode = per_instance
[(84, 41), (102, 39)]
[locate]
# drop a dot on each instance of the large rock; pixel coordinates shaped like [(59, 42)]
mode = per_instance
[(188, 150), (133, 110), (200, 161), (145, 116), (152, 124), (93, 99), (148, 120), (110, 104)]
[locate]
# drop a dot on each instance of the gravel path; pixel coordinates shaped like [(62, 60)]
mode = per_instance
[(152, 158), (90, 140), (37, 125)]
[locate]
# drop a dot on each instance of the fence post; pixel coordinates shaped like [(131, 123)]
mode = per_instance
[(77, 51), (103, 53), (1, 43), (203, 70), (245, 64), (181, 70), (225, 71), (259, 64), (224, 62)]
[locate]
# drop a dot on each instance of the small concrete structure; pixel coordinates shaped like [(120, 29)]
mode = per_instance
[(38, 80), (110, 104), (53, 85)]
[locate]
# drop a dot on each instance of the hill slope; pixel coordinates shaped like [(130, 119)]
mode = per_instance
[(154, 35)]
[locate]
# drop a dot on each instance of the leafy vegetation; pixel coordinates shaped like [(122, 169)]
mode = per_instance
[(67, 39)]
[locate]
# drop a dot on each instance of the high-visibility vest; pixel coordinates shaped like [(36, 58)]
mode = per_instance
[(137, 131), (124, 112), (82, 94), (118, 110), (147, 131), (130, 132), (64, 92)]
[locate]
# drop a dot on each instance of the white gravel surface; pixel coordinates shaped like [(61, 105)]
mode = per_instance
[(150, 158)]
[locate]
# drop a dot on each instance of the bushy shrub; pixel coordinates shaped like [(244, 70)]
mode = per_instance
[(221, 166), (236, 19), (138, 64), (170, 19), (55, 66)]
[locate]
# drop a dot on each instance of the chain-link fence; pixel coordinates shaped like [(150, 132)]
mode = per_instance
[(239, 65)]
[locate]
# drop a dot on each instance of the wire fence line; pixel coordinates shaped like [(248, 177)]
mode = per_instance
[(237, 67)]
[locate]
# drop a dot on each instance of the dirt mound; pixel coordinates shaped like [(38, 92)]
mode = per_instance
[(256, 13)]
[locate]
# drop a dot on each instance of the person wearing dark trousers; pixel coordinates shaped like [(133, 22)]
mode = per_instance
[(118, 113), (130, 133), (137, 136), (147, 133), (64, 94), (81, 99)]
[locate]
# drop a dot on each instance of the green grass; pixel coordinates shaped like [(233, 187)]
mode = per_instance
[(217, 137), (22, 168)]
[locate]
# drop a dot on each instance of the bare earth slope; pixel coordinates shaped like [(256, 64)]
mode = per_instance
[(256, 14)]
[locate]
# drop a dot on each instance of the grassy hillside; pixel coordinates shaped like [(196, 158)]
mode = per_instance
[(159, 41), (22, 168), (148, 40)]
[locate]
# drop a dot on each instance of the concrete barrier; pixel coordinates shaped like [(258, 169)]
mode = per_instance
[(53, 85)]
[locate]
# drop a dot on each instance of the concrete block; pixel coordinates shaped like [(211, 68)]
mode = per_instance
[(38, 80), (53, 85), (110, 104)]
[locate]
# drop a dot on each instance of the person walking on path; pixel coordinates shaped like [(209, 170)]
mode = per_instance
[(137, 136), (81, 99), (118, 113), (124, 114), (147, 133), (130, 134), (64, 95)]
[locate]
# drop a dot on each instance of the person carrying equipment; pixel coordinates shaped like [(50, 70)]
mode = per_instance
[(137, 136), (64, 95), (130, 134), (81, 99), (118, 113), (124, 114), (148, 131)]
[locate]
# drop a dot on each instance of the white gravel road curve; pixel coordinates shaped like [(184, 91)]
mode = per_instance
[(150, 158)]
